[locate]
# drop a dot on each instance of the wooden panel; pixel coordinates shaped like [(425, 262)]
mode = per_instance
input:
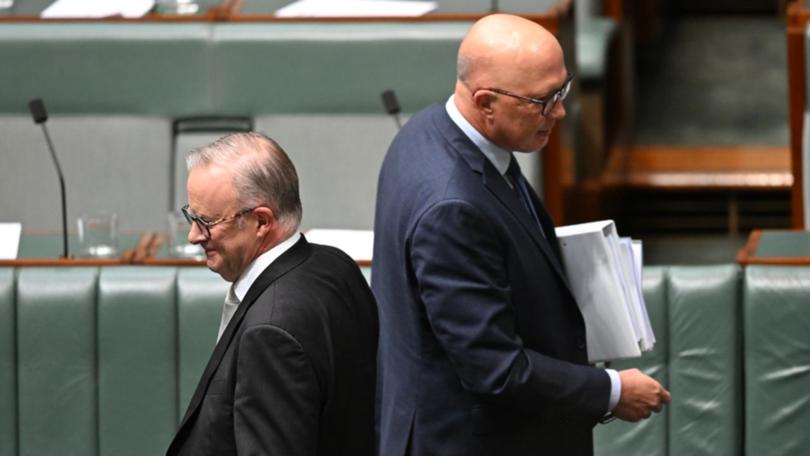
[(797, 19), (700, 167)]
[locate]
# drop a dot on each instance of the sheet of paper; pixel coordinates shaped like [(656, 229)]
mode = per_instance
[(592, 267), (627, 273), (63, 9), (355, 8), (9, 240), (358, 244), (638, 263)]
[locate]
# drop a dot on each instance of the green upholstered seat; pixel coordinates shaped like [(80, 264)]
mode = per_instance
[(85, 68), (200, 294), (333, 68), (137, 360), (8, 365), (777, 360), (705, 371), (648, 437), (56, 361)]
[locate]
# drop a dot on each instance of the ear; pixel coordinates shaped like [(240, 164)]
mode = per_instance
[(267, 221), (484, 101)]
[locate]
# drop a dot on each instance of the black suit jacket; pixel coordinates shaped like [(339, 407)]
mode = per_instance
[(294, 371), (482, 346)]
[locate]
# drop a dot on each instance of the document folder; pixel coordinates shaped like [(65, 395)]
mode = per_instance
[(604, 272)]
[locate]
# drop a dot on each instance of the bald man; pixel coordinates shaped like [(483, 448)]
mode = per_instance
[(482, 346)]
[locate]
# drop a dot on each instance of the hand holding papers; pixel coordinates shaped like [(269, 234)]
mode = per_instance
[(605, 275)]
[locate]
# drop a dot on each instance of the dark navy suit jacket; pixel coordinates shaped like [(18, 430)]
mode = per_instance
[(482, 346)]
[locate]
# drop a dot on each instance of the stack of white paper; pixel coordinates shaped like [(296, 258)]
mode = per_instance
[(604, 272)]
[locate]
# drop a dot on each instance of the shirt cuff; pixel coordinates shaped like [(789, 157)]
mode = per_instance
[(615, 388)]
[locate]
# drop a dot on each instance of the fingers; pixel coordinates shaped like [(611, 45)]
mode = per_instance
[(641, 396), (666, 397)]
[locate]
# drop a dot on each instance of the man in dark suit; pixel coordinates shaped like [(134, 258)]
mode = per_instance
[(482, 347), (294, 368)]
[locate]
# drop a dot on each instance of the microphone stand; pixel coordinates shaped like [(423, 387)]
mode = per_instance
[(40, 116)]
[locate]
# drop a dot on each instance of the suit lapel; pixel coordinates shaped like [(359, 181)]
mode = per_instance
[(508, 197), (496, 184), (299, 252)]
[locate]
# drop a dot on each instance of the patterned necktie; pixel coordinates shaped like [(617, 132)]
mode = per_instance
[(522, 189), (228, 309)]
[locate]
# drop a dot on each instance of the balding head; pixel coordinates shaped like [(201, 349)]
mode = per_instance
[(513, 54), (500, 49)]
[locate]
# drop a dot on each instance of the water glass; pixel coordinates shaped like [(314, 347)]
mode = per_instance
[(98, 235)]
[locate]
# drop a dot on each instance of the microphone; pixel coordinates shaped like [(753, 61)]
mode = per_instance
[(40, 115), (391, 105)]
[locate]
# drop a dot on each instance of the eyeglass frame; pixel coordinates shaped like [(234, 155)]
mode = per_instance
[(205, 225), (548, 102)]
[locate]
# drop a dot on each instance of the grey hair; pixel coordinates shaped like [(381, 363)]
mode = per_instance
[(263, 174)]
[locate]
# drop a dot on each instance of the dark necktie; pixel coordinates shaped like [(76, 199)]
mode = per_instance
[(522, 188)]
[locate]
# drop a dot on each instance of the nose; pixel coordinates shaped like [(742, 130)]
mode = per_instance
[(558, 111), (195, 234)]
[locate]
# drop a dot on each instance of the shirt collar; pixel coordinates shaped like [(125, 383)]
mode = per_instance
[(254, 269), (499, 157)]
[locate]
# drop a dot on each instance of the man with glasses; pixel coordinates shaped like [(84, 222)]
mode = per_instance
[(294, 368), (482, 345)]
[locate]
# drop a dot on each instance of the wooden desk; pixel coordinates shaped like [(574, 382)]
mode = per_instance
[(776, 247), (44, 248)]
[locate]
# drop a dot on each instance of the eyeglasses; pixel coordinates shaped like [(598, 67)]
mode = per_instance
[(546, 103), (204, 225)]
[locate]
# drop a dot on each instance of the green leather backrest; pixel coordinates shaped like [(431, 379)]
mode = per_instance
[(137, 336), (8, 365), (56, 362), (94, 361), (83, 68), (648, 437), (200, 294), (777, 360), (332, 68), (705, 417)]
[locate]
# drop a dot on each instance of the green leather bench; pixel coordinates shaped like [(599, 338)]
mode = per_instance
[(102, 361), (695, 312), (777, 360)]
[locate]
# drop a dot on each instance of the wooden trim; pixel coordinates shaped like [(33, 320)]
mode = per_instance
[(750, 248), (747, 255), (697, 168), (29, 262), (614, 9), (796, 102)]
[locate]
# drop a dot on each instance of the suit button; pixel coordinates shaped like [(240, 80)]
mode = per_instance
[(581, 344)]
